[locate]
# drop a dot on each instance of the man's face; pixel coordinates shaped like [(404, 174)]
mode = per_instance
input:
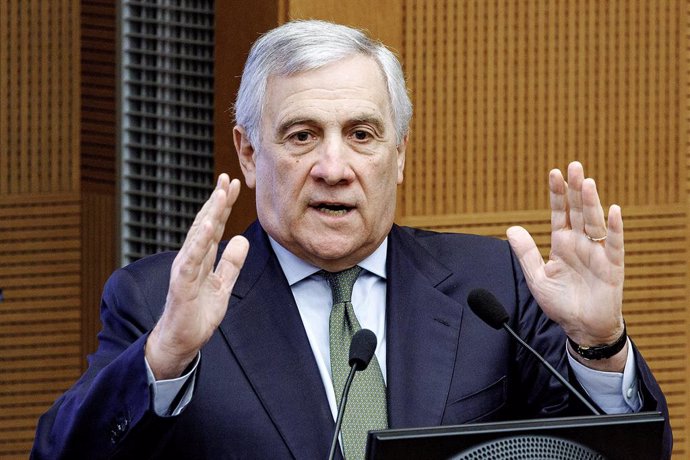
[(328, 165)]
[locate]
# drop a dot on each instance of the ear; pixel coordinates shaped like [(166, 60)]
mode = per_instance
[(402, 147), (245, 153)]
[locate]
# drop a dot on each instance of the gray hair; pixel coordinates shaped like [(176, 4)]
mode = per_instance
[(299, 46)]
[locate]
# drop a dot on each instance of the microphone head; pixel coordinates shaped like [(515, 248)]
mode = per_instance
[(485, 305), (362, 348)]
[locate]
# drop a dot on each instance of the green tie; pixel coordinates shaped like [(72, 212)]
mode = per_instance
[(366, 406)]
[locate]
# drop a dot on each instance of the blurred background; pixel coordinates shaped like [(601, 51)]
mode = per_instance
[(115, 120)]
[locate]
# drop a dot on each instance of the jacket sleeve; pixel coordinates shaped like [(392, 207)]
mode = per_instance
[(108, 410)]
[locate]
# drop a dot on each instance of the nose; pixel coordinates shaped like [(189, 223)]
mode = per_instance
[(332, 164)]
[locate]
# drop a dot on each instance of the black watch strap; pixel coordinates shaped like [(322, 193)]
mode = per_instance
[(601, 351)]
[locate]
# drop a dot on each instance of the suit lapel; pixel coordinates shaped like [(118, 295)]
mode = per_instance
[(422, 329), (265, 333)]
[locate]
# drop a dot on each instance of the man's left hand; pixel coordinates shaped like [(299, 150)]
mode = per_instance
[(581, 285)]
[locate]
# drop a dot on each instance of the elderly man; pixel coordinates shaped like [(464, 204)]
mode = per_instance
[(236, 350)]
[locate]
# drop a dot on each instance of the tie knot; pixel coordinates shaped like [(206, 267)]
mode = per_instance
[(342, 283)]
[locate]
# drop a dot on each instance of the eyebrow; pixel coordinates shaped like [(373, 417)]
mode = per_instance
[(373, 120)]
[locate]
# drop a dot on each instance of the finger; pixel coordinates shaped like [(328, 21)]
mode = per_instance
[(527, 253), (575, 177), (232, 192), (189, 263), (222, 183), (232, 259), (558, 190), (614, 242), (198, 252), (593, 213)]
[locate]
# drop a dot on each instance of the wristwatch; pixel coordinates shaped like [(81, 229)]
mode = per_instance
[(600, 351)]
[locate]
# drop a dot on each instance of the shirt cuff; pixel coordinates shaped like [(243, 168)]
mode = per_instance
[(613, 392), (170, 397)]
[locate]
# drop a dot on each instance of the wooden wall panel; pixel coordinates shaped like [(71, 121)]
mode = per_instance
[(98, 159), (40, 213), (40, 320), (39, 95), (505, 91)]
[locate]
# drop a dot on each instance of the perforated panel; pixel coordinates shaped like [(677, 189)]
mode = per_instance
[(167, 121)]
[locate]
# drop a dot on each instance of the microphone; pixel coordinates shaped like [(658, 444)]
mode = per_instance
[(362, 349), (488, 308)]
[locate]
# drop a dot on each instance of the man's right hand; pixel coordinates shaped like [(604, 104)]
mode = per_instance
[(198, 295)]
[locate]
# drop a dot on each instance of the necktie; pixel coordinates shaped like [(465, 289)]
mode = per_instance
[(366, 405)]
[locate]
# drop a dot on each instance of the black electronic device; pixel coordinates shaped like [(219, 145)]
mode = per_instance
[(600, 437)]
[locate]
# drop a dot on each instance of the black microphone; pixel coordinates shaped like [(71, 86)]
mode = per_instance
[(488, 308), (362, 349)]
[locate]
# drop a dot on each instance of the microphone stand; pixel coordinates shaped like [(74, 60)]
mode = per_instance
[(341, 410), (551, 369)]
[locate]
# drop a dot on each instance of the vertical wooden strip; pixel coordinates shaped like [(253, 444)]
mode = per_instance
[(65, 98), (420, 43), (633, 116), (24, 132), (4, 97), (471, 119), (429, 106), (532, 88), (38, 169), (521, 82), (54, 99), (541, 86), (510, 115), (439, 158), (500, 61), (13, 97), (551, 38), (678, 173), (592, 114), (74, 16), (599, 74), (486, 153), (622, 85), (447, 83), (44, 83)]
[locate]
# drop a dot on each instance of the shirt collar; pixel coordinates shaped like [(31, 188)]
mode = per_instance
[(296, 269)]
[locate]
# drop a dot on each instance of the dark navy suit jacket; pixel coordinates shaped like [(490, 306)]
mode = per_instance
[(258, 391)]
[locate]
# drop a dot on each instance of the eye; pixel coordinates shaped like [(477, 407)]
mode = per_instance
[(361, 135), (301, 136)]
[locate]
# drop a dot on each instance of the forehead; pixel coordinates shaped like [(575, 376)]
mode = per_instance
[(353, 86)]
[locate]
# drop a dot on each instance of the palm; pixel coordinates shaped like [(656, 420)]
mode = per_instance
[(198, 293), (581, 285)]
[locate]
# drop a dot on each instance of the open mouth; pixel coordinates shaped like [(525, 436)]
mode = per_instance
[(333, 209)]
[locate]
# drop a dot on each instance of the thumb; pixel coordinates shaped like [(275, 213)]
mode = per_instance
[(527, 253)]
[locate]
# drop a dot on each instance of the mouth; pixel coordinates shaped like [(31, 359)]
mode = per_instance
[(333, 209)]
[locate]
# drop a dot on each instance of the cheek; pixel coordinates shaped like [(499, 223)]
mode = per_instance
[(276, 185)]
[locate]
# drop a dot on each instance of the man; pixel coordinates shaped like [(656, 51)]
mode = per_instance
[(223, 351)]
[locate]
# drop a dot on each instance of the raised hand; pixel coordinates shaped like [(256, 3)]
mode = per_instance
[(198, 294), (581, 285)]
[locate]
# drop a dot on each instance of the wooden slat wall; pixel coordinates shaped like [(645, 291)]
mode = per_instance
[(505, 91), (40, 213), (98, 160)]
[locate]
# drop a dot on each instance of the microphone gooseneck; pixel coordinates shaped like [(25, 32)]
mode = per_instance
[(362, 349), (490, 310)]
